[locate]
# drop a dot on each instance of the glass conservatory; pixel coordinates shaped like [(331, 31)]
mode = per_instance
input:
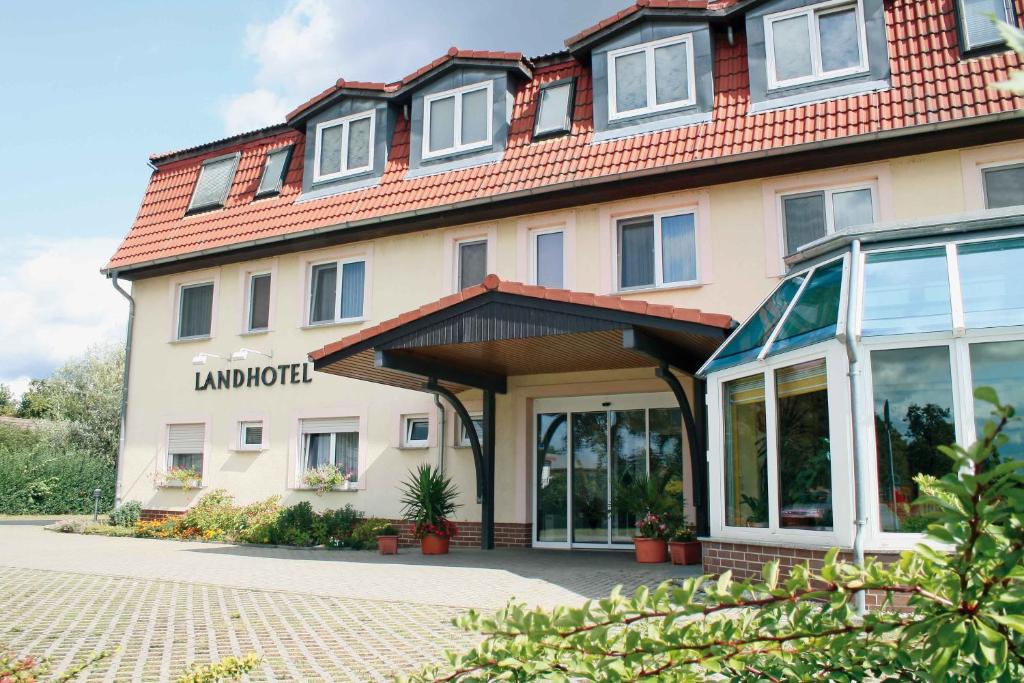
[(927, 322)]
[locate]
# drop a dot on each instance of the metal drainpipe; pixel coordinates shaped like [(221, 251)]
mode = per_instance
[(860, 465), (440, 434), (124, 386)]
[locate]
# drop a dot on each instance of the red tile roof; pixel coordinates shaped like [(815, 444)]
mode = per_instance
[(931, 84), (492, 283)]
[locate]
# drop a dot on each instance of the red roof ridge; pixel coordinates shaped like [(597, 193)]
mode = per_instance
[(493, 283), (636, 7)]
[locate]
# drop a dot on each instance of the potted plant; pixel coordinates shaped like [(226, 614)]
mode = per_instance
[(683, 546), (324, 478), (651, 539), (387, 540), (428, 498), (182, 477)]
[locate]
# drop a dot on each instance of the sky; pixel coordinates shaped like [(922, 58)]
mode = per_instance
[(90, 90)]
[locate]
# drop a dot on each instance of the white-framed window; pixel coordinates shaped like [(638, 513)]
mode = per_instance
[(657, 250), (457, 120), (651, 77), (214, 183), (1003, 185), (555, 103), (470, 262), (547, 257), (809, 216), (816, 42), (331, 442), (415, 431), (195, 310), (462, 440), (274, 171), (250, 435), (257, 318), (976, 26), (337, 291), (185, 446), (344, 146)]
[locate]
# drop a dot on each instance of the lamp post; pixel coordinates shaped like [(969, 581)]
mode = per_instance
[(96, 505)]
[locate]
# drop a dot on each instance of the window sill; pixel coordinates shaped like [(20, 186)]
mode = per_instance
[(335, 323), (254, 451), (254, 333), (190, 340), (663, 288), (414, 447), (178, 485), (348, 488)]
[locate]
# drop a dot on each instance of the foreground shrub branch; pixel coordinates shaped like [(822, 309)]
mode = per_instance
[(965, 622)]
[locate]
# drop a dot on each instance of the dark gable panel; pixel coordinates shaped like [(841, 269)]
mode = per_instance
[(646, 32), (878, 58)]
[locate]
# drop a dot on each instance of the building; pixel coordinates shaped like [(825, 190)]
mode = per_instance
[(554, 249)]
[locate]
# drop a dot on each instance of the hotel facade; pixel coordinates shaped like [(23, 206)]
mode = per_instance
[(766, 249)]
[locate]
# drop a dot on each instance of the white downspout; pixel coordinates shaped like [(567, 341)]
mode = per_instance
[(860, 464), (124, 388)]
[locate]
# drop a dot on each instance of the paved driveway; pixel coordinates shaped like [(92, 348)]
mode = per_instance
[(312, 615)]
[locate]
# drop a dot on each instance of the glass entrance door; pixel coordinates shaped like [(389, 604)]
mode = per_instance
[(587, 452)]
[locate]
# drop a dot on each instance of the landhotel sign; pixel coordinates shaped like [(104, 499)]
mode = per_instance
[(259, 376)]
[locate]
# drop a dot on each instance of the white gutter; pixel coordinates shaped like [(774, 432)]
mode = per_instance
[(860, 464), (124, 387)]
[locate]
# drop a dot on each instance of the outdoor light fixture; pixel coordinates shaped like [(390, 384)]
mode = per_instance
[(243, 354), (201, 358)]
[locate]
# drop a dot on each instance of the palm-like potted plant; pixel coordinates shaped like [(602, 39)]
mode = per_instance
[(428, 499), (683, 546), (656, 507)]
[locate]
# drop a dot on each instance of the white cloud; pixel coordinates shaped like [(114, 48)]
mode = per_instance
[(252, 110), (55, 304)]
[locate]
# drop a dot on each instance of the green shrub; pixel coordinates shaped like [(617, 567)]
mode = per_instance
[(214, 516), (299, 525), (365, 534), (38, 476), (339, 524), (127, 514), (107, 530), (257, 520)]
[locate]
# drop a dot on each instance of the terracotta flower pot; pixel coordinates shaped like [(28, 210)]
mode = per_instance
[(684, 552), (650, 550), (387, 545), (432, 544)]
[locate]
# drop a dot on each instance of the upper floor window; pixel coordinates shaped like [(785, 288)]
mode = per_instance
[(195, 310), (651, 77), (554, 108), (657, 250), (1004, 186), (215, 177), (472, 262), (809, 216), (976, 26), (816, 42), (250, 436), (457, 120), (274, 172), (334, 301), (344, 146), (258, 318), (548, 250)]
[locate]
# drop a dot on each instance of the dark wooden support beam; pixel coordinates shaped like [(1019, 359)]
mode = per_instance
[(404, 361), (474, 440), (695, 444), (487, 510), (660, 350)]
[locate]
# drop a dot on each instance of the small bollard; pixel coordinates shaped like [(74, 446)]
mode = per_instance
[(96, 505)]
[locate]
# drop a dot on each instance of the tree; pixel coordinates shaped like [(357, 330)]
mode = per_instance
[(8, 406), (966, 623)]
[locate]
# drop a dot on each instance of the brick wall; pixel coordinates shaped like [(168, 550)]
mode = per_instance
[(506, 535), (156, 515), (746, 559)]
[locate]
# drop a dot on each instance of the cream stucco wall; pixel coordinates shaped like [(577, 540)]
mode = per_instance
[(739, 261)]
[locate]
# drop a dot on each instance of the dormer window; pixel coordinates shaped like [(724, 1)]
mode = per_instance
[(457, 120), (215, 178), (651, 77), (274, 172), (977, 30), (554, 108), (813, 43), (344, 146)]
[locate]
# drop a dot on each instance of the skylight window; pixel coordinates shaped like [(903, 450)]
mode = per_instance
[(344, 146), (274, 172), (554, 108), (976, 26), (651, 77), (457, 120), (813, 43), (215, 177)]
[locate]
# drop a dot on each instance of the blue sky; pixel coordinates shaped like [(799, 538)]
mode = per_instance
[(91, 89)]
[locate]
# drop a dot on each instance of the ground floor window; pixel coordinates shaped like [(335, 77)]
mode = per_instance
[(746, 453), (331, 442), (185, 444)]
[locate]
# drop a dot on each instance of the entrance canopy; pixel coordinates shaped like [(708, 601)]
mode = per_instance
[(479, 337)]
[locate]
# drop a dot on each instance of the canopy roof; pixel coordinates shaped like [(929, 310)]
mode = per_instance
[(484, 334)]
